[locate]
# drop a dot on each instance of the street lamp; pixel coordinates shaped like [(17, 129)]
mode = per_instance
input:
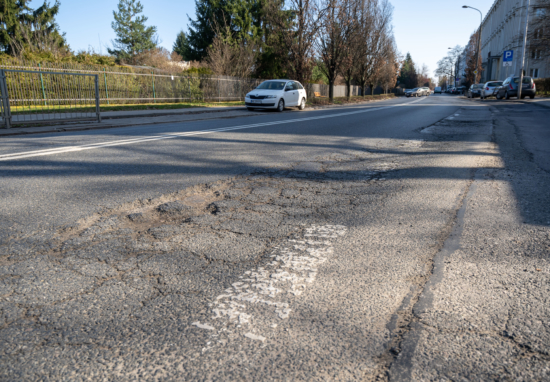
[(478, 41)]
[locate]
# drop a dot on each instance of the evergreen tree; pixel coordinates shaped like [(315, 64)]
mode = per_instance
[(240, 18), (408, 76), (23, 29), (133, 36), (181, 46)]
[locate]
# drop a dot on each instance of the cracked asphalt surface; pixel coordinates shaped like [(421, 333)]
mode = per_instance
[(391, 241)]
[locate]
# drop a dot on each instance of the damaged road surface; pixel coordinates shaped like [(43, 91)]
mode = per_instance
[(400, 241)]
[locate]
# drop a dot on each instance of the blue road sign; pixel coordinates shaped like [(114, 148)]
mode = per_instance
[(507, 57)]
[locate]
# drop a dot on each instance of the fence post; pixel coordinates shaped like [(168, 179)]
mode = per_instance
[(154, 94), (219, 89), (42, 83), (97, 109), (5, 99), (189, 88), (106, 91)]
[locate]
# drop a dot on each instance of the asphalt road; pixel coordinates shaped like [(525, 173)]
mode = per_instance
[(400, 240)]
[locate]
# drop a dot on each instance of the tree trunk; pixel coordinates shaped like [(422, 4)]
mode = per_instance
[(331, 91), (348, 89)]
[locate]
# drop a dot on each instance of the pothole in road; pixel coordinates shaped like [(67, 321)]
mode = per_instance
[(269, 231)]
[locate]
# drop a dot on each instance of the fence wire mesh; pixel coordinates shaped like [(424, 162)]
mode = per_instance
[(42, 96)]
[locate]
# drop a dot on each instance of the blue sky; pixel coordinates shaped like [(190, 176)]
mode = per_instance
[(425, 28)]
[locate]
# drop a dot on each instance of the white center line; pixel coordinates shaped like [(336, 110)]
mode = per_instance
[(67, 149)]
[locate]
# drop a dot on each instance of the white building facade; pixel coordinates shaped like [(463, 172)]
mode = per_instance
[(502, 30)]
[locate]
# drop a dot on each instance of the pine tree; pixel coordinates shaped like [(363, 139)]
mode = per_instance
[(240, 18), (408, 77), (181, 46), (133, 36), (23, 29)]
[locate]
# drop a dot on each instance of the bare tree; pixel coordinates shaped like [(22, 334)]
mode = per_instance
[(377, 35), (228, 57), (446, 66), (296, 29), (338, 25), (387, 76)]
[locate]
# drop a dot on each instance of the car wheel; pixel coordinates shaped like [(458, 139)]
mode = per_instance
[(302, 104), (522, 97), (497, 96), (506, 95), (250, 108), (531, 96), (281, 105)]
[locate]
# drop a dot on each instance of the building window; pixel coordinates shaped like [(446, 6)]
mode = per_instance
[(536, 54), (540, 12), (538, 34), (534, 73)]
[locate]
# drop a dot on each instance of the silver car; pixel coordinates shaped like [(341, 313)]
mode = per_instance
[(277, 94), (489, 89)]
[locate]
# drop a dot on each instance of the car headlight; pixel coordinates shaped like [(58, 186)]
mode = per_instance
[(247, 96), (270, 96)]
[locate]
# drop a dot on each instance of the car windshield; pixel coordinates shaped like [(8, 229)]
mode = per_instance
[(272, 85), (478, 86), (415, 89), (526, 80)]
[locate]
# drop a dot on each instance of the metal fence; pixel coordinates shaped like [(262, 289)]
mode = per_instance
[(33, 97)]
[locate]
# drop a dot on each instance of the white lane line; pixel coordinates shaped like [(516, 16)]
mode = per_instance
[(67, 149)]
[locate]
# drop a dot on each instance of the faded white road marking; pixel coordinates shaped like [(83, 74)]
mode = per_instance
[(203, 326), (67, 149), (265, 294), (254, 337)]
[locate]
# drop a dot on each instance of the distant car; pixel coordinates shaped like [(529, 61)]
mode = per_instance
[(437, 90), (426, 90), (475, 90), (509, 88), (416, 92), (489, 89), (277, 94)]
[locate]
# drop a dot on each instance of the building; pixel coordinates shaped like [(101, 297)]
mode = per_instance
[(502, 30)]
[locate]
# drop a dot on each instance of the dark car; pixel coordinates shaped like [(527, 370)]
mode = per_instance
[(459, 90), (475, 90), (509, 88)]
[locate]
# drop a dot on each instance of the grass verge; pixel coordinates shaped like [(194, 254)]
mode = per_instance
[(122, 107)]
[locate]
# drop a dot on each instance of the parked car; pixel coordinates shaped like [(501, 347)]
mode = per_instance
[(489, 89), (416, 92), (437, 89), (277, 94), (449, 90), (459, 90), (509, 88), (475, 90), (426, 90)]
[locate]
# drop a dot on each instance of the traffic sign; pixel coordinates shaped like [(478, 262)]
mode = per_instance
[(507, 57)]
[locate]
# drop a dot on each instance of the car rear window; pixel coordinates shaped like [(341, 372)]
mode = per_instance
[(494, 84), (526, 80)]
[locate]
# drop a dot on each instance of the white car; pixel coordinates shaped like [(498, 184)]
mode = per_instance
[(277, 94), (489, 88)]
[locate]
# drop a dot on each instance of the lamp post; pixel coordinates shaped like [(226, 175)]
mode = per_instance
[(520, 85), (478, 41)]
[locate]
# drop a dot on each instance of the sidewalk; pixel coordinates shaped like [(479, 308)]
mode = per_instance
[(545, 102), (112, 119)]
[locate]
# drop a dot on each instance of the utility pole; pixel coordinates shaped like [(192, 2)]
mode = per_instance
[(520, 85)]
